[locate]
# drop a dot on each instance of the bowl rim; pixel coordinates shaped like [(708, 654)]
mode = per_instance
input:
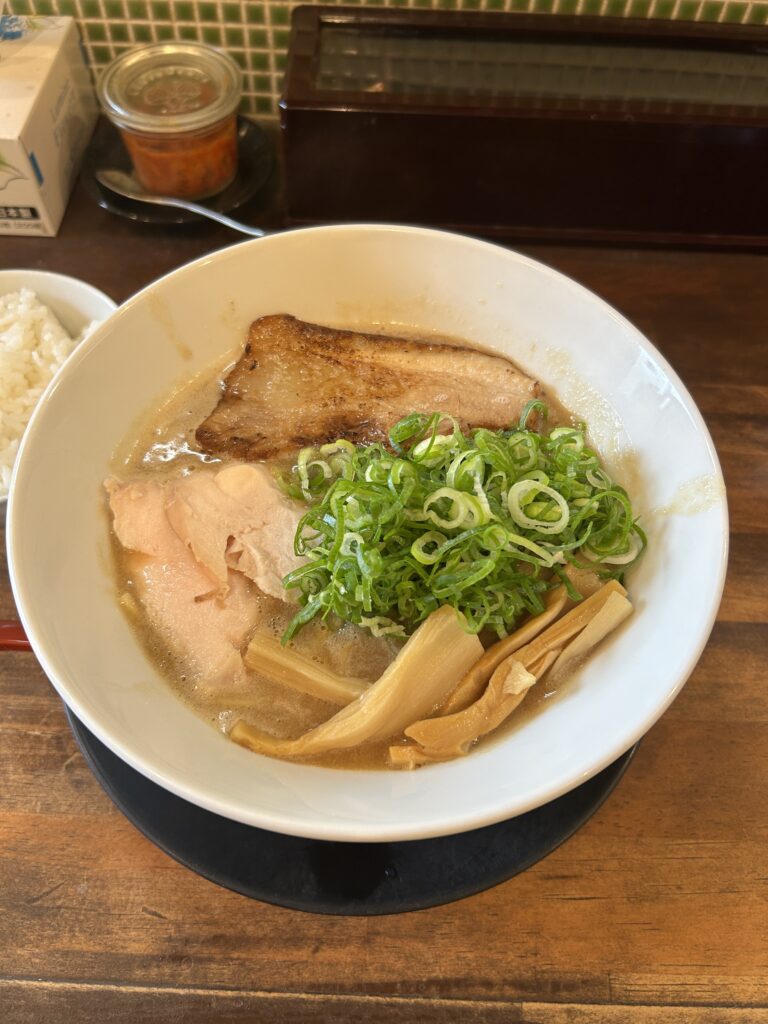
[(374, 831), (52, 275)]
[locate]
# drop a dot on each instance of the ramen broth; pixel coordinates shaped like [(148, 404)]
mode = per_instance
[(163, 444)]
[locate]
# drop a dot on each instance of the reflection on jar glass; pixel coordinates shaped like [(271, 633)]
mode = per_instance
[(175, 105)]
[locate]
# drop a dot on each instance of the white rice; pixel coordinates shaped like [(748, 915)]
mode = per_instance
[(33, 345)]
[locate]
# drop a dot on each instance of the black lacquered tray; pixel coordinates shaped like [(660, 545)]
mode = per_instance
[(359, 879)]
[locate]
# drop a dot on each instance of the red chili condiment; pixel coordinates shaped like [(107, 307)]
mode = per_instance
[(187, 166), (175, 105)]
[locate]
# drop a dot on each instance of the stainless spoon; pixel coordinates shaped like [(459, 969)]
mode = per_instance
[(125, 185)]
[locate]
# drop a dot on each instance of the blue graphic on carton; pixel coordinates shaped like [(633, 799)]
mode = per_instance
[(12, 26)]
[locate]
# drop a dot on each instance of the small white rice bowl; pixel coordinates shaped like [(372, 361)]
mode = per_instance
[(33, 346), (43, 317)]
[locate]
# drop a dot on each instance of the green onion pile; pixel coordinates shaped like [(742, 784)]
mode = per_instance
[(485, 521)]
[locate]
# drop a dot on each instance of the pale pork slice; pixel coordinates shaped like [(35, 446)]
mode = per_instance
[(299, 384), (264, 548), (205, 633), (238, 519)]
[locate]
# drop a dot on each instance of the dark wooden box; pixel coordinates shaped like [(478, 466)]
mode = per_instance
[(528, 126)]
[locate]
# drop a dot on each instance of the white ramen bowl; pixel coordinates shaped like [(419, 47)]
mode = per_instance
[(375, 278)]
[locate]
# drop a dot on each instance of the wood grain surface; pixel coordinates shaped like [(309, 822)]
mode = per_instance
[(655, 911)]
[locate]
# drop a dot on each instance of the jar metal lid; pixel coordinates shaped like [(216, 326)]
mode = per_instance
[(167, 88)]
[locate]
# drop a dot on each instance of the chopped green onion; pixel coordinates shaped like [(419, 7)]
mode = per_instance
[(519, 500), (456, 510), (486, 522), (434, 541)]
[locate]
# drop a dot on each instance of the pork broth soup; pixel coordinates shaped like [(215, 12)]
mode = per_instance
[(365, 551)]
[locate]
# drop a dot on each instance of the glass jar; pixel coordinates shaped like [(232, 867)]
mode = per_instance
[(175, 105)]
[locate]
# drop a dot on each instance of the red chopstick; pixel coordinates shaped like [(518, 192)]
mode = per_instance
[(13, 637)]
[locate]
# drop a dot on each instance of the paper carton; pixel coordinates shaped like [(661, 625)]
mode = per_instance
[(47, 113)]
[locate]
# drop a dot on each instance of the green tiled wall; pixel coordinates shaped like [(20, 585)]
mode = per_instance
[(255, 32)]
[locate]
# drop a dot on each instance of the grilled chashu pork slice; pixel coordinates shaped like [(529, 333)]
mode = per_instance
[(299, 384)]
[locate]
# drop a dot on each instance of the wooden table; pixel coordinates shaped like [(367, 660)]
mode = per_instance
[(655, 911)]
